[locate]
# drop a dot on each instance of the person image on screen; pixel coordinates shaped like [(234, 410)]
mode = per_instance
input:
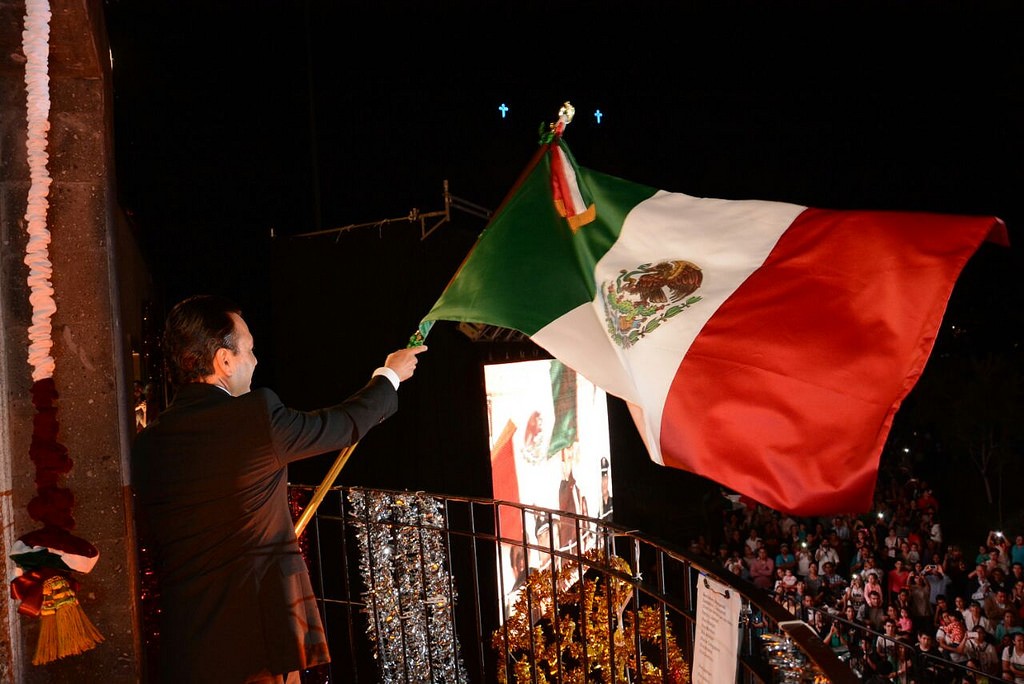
[(210, 480), (568, 499), (605, 511)]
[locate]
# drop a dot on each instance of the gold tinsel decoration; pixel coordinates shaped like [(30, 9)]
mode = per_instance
[(596, 623)]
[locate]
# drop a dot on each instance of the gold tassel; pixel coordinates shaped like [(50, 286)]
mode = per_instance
[(64, 629)]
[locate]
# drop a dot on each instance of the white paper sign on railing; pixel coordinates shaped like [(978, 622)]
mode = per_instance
[(716, 641)]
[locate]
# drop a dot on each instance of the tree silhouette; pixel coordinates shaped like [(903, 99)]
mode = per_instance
[(972, 406)]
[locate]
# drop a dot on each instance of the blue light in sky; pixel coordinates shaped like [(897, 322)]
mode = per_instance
[(504, 109)]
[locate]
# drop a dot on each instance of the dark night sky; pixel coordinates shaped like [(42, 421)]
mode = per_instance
[(235, 119), (228, 115)]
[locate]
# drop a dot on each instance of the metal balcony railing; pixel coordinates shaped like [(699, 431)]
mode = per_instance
[(419, 587)]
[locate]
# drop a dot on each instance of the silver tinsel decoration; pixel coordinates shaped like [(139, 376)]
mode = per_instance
[(410, 600)]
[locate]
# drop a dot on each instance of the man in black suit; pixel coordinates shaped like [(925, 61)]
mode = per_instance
[(210, 478)]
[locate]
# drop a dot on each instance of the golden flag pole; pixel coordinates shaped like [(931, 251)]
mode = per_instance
[(321, 490)]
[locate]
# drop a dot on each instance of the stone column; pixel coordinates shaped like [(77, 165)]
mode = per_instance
[(98, 284)]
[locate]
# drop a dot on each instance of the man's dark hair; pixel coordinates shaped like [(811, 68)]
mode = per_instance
[(195, 329)]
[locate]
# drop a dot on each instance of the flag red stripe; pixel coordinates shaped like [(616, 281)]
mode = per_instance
[(561, 184), (505, 483), (797, 377)]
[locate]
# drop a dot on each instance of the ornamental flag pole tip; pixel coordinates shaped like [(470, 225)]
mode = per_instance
[(565, 115)]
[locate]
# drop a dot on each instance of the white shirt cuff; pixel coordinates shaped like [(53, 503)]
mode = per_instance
[(387, 373)]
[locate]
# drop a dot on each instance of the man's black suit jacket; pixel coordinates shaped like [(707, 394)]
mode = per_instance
[(210, 479)]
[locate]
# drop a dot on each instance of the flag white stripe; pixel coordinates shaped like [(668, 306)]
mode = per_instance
[(727, 239)]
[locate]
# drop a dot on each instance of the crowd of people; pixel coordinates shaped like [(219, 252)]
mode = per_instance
[(886, 591)]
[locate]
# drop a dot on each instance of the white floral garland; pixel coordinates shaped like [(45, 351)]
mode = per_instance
[(36, 44)]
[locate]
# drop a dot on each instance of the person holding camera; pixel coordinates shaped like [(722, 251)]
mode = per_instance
[(976, 647), (996, 540), (938, 581)]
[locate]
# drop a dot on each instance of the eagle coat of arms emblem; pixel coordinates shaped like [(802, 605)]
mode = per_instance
[(638, 301)]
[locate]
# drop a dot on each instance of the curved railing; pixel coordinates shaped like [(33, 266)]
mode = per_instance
[(423, 587)]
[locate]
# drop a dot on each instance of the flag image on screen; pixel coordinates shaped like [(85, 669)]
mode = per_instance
[(549, 442)]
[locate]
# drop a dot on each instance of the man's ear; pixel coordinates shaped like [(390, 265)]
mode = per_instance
[(223, 362)]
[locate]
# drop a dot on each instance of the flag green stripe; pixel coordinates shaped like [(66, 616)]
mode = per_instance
[(516, 275)]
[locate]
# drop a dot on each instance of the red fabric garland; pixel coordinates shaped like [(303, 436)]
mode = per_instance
[(52, 504), (71, 633)]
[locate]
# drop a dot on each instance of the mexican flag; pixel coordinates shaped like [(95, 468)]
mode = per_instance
[(763, 345)]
